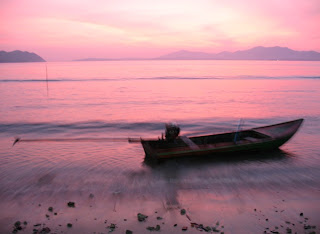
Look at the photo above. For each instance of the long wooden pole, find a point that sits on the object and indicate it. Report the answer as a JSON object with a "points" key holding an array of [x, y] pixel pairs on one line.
{"points": [[130, 140]]}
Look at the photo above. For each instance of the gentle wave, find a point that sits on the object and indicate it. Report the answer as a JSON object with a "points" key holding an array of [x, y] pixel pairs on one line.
{"points": [[84, 127], [122, 128], [156, 78]]}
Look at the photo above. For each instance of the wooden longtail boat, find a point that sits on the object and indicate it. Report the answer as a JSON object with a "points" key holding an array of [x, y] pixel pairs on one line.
{"points": [[251, 140]]}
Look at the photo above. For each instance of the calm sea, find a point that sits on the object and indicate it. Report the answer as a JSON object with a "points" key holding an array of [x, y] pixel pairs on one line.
{"points": [[136, 99]]}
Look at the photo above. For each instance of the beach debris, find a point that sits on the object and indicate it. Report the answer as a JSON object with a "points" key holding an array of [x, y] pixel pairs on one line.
{"points": [[159, 218], [112, 227], [289, 230], [17, 224], [69, 225], [16, 227], [214, 229], [301, 214], [71, 204], [185, 228], [141, 217], [188, 217], [200, 227], [91, 195], [45, 230], [150, 228], [182, 211], [37, 225], [129, 232], [175, 225], [309, 227], [55, 213], [50, 209]]}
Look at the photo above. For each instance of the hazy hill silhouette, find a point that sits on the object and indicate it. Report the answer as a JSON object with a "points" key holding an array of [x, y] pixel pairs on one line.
{"points": [[256, 53], [18, 56]]}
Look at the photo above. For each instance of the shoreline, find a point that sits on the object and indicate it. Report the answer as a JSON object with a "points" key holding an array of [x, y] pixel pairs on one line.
{"points": [[246, 212]]}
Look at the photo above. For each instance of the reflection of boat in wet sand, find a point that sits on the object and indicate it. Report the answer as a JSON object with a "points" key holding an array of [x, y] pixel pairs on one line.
{"points": [[251, 140]]}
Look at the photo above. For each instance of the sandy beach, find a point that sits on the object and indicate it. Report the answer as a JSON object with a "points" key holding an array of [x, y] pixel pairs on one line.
{"points": [[209, 207]]}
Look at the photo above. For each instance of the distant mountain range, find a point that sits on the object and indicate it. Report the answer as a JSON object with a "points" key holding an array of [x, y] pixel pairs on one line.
{"points": [[256, 53], [18, 56]]}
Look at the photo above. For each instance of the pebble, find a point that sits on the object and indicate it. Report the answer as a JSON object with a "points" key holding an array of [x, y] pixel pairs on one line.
{"points": [[71, 204], [141, 217]]}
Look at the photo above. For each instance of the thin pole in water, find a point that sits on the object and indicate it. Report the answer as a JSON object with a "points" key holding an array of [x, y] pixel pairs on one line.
{"points": [[47, 80]]}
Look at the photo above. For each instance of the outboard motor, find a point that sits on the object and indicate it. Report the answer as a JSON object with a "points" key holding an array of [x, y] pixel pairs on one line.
{"points": [[172, 131]]}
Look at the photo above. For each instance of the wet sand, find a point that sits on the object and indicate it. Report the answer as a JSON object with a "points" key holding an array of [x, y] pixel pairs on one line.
{"points": [[225, 209]]}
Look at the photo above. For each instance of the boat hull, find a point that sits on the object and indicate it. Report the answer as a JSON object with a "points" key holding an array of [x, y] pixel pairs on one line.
{"points": [[257, 139]]}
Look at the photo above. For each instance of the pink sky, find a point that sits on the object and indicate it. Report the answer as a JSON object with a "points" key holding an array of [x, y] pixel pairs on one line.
{"points": [[73, 29]]}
